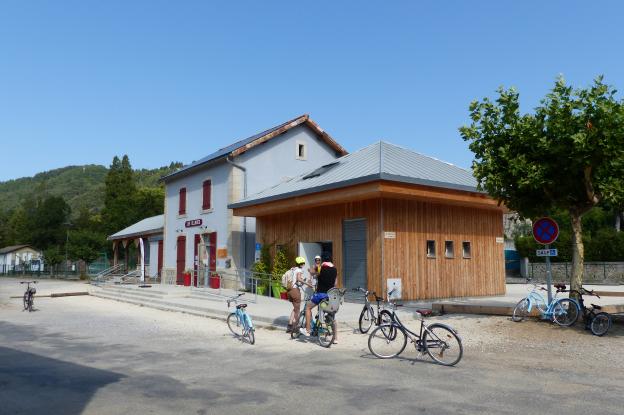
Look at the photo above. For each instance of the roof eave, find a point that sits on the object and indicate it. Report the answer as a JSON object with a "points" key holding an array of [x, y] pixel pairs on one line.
{"points": [[135, 234]]}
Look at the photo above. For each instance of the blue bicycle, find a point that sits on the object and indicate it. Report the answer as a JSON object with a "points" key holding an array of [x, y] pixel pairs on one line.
{"points": [[563, 311], [239, 321]]}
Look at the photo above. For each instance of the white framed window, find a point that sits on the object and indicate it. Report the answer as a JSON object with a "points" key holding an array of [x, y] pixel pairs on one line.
{"points": [[301, 150], [466, 251], [449, 249], [431, 249]]}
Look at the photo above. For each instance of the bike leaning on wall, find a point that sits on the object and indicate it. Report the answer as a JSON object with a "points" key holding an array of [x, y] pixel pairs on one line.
{"points": [[563, 311]]}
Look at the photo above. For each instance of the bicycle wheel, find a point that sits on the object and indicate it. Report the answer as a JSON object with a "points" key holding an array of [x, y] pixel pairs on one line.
{"points": [[443, 344], [236, 327], [386, 319], [30, 303], [25, 301], [600, 324], [565, 312], [326, 331], [367, 317], [251, 336], [384, 346], [295, 333], [521, 311]]}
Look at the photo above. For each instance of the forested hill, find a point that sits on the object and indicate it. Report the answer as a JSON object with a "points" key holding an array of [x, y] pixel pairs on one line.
{"points": [[80, 186]]}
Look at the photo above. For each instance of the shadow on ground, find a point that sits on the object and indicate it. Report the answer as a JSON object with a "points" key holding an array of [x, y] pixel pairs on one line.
{"points": [[31, 383]]}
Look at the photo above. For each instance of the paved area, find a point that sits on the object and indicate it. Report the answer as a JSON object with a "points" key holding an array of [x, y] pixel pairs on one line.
{"points": [[86, 355]]}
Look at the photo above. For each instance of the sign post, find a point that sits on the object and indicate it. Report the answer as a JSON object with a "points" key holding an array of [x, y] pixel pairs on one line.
{"points": [[546, 231]]}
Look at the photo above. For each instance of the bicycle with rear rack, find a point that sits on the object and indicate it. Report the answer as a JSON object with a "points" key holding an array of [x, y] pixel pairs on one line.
{"points": [[596, 321], [323, 325], [29, 295], [368, 316], [440, 341], [563, 311], [239, 321]]}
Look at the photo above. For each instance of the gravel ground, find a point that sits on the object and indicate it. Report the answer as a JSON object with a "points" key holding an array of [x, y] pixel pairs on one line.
{"points": [[91, 355]]}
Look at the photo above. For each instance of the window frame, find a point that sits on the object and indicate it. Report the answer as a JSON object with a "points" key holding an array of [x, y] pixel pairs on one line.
{"points": [[205, 209], [447, 244], [298, 145], [182, 201], [464, 256], [428, 251]]}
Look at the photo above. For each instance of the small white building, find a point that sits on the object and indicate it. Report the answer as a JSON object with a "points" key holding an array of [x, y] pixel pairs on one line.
{"points": [[197, 195], [16, 257]]}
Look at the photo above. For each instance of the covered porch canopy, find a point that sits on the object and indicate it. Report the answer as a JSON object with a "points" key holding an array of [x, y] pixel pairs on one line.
{"points": [[151, 227]]}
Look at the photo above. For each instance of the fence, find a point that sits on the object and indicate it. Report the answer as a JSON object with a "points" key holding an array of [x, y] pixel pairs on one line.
{"points": [[595, 272], [40, 271]]}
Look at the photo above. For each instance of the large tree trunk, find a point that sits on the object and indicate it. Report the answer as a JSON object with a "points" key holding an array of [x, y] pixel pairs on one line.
{"points": [[578, 253]]}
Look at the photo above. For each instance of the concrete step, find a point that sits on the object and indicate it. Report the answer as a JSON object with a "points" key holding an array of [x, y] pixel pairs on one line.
{"points": [[146, 292], [183, 308]]}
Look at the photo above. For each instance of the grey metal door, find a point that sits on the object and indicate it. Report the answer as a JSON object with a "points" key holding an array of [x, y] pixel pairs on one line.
{"points": [[354, 253]]}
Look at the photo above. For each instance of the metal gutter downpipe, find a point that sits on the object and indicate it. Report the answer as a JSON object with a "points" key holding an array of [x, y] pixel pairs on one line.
{"points": [[244, 170]]}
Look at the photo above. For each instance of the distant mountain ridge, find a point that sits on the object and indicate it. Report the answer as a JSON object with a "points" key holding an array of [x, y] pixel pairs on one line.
{"points": [[80, 186]]}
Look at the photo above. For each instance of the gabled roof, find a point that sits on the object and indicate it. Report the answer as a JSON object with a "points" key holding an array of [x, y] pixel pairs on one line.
{"points": [[12, 248], [147, 226], [241, 146], [379, 161]]}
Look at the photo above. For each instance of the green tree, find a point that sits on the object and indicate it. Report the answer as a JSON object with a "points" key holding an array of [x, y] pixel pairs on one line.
{"points": [[48, 224], [119, 196], [149, 201], [85, 245], [567, 155]]}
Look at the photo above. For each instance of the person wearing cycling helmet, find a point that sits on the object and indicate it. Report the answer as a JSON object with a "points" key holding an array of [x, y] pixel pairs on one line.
{"points": [[326, 280], [294, 292]]}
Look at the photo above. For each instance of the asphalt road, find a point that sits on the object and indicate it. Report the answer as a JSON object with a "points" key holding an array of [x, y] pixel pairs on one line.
{"points": [[88, 355]]}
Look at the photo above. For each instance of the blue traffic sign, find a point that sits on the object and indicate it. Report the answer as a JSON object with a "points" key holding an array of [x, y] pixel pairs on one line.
{"points": [[545, 231]]}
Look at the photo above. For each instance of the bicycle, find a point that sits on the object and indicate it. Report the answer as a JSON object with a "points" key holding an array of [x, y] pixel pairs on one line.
{"points": [[239, 321], [440, 341], [563, 311], [323, 326], [29, 295], [368, 315], [599, 322]]}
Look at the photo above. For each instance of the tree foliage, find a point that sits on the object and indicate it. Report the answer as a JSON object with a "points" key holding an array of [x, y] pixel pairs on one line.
{"points": [[568, 155]]}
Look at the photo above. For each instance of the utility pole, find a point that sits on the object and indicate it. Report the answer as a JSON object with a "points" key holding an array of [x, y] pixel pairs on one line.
{"points": [[67, 224]]}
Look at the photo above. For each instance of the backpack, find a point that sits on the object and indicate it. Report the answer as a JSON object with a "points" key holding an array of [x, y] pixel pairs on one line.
{"points": [[287, 279]]}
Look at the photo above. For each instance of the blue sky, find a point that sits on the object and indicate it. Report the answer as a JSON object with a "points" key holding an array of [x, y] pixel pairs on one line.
{"points": [[162, 81]]}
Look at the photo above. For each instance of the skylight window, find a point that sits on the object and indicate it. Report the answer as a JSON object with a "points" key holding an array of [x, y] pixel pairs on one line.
{"points": [[321, 170]]}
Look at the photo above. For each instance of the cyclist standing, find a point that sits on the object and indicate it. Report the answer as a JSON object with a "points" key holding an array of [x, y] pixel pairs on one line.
{"points": [[326, 281], [294, 291]]}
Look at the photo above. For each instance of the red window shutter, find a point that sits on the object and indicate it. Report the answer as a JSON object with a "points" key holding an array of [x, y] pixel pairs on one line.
{"points": [[182, 204], [207, 194]]}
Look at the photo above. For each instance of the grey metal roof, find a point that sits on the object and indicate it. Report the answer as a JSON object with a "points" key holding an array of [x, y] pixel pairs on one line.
{"points": [[8, 249], [379, 161], [154, 224]]}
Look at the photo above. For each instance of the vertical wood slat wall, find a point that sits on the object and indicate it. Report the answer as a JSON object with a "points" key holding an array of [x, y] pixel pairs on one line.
{"points": [[414, 222]]}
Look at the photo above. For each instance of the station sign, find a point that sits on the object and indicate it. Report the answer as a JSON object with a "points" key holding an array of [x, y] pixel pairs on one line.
{"points": [[546, 252], [193, 222]]}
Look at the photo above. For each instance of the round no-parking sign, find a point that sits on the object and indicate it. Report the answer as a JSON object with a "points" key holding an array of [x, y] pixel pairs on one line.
{"points": [[545, 231]]}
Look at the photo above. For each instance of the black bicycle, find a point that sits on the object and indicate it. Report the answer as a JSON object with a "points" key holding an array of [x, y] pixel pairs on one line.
{"points": [[598, 322], [368, 316], [440, 341], [29, 295]]}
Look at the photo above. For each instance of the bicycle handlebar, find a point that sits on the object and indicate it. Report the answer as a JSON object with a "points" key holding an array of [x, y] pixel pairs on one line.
{"points": [[28, 282], [233, 299]]}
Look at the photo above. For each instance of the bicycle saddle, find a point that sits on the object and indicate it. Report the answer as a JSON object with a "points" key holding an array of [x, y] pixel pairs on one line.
{"points": [[424, 312], [378, 298], [241, 305], [597, 307], [560, 286]]}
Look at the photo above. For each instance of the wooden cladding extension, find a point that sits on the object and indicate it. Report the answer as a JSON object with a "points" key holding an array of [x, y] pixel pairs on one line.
{"points": [[413, 222], [372, 190]]}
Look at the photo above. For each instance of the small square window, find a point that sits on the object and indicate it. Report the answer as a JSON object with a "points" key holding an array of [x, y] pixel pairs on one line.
{"points": [[431, 250], [466, 253], [301, 152], [449, 250]]}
